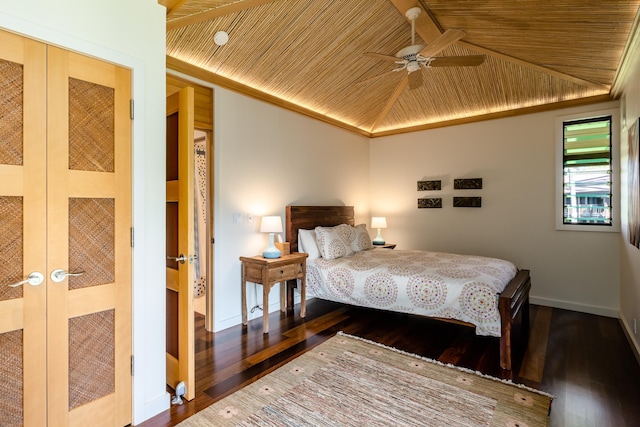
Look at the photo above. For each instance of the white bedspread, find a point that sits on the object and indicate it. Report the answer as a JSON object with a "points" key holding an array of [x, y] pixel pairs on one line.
{"points": [[433, 284]]}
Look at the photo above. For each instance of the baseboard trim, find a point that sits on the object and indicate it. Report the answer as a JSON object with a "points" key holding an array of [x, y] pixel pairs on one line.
{"points": [[152, 408], [583, 308], [237, 320], [628, 332]]}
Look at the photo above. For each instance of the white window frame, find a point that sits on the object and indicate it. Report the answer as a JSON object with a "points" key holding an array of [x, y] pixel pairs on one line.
{"points": [[615, 171]]}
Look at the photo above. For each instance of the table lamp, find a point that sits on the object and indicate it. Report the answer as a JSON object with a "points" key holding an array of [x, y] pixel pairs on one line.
{"points": [[379, 222], [271, 225]]}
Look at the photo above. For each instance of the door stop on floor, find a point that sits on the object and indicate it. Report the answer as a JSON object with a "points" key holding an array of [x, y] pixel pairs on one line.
{"points": [[181, 389]]}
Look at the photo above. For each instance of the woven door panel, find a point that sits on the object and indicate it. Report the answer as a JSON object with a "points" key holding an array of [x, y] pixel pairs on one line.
{"points": [[91, 357], [11, 392], [91, 241], [10, 247], [91, 126], [172, 234], [11, 100], [172, 147]]}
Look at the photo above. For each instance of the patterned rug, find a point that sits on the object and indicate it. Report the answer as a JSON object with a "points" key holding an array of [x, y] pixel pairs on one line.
{"points": [[348, 381]]}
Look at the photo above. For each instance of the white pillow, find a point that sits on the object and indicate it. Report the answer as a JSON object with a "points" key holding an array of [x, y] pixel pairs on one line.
{"points": [[360, 239], [334, 242], [307, 243]]}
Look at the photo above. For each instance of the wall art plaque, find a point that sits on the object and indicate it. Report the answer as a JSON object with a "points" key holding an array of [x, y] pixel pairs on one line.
{"points": [[467, 184], [467, 202], [426, 203], [429, 185]]}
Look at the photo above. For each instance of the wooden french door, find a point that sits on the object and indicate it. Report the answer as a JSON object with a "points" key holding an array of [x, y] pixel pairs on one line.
{"points": [[180, 240], [23, 229], [65, 219]]}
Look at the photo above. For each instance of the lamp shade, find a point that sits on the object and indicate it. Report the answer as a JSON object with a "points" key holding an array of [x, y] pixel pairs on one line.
{"points": [[378, 222], [271, 224]]}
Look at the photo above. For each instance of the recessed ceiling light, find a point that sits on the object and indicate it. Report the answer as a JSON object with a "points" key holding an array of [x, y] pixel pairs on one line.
{"points": [[221, 38]]}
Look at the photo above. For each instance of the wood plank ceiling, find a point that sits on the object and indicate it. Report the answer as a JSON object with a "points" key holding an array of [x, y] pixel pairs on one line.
{"points": [[308, 55]]}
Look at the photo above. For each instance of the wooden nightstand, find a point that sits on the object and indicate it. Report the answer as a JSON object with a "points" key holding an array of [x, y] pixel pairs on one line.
{"points": [[386, 246], [267, 272]]}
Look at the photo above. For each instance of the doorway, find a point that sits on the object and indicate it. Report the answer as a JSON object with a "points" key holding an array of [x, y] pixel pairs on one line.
{"points": [[203, 136], [189, 227]]}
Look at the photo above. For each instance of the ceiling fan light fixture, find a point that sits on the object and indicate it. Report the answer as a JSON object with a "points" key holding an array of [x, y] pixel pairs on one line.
{"points": [[413, 66]]}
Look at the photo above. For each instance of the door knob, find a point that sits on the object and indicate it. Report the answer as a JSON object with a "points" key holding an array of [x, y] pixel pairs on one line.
{"points": [[59, 274], [181, 259], [33, 279]]}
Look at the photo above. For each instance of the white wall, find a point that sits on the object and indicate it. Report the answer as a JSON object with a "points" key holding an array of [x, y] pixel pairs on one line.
{"points": [[267, 158], [515, 157], [132, 34], [629, 255]]}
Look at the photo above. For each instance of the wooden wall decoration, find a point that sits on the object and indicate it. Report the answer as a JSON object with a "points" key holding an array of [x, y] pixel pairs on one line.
{"points": [[467, 202], [467, 184], [429, 185], [427, 202]]}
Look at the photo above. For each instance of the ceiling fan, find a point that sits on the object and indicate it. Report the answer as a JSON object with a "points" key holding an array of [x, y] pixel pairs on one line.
{"points": [[417, 57]]}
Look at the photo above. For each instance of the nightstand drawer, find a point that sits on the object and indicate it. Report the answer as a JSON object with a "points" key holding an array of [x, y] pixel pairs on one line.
{"points": [[253, 274], [286, 272]]}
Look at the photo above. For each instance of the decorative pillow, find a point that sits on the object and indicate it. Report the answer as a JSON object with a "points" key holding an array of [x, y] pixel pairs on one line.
{"points": [[307, 243], [360, 239], [334, 242]]}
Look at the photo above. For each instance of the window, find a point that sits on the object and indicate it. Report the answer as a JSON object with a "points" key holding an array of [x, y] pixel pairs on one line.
{"points": [[587, 167], [587, 171]]}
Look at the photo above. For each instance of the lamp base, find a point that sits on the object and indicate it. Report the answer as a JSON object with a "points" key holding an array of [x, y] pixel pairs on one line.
{"points": [[271, 251], [378, 240]]}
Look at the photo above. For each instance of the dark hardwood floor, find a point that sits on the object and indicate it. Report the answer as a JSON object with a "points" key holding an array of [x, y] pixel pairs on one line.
{"points": [[584, 360]]}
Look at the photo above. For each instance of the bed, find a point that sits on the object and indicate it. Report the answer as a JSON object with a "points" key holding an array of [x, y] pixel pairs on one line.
{"points": [[509, 319]]}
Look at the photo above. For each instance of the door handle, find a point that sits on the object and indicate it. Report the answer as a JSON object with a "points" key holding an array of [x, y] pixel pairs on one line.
{"points": [[59, 274], [33, 279], [181, 259]]}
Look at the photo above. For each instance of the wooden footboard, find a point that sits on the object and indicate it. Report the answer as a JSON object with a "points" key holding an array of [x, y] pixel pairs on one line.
{"points": [[513, 304]]}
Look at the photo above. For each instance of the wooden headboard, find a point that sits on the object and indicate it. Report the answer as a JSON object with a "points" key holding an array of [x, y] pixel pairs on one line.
{"points": [[309, 217]]}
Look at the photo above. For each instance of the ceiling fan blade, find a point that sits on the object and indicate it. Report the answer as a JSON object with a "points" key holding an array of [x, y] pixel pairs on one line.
{"points": [[382, 56], [445, 39], [457, 61], [367, 80], [415, 80], [391, 101]]}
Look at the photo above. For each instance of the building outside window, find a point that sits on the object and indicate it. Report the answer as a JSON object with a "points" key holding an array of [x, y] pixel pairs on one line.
{"points": [[587, 171]]}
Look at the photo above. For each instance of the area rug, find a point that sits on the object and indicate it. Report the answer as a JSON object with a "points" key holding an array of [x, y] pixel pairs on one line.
{"points": [[349, 381]]}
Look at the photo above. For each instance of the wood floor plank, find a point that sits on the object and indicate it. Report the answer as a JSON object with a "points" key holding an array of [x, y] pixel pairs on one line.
{"points": [[533, 361]]}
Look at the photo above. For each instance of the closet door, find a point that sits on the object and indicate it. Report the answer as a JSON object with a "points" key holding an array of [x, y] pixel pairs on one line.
{"points": [[65, 218], [89, 245], [23, 253]]}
